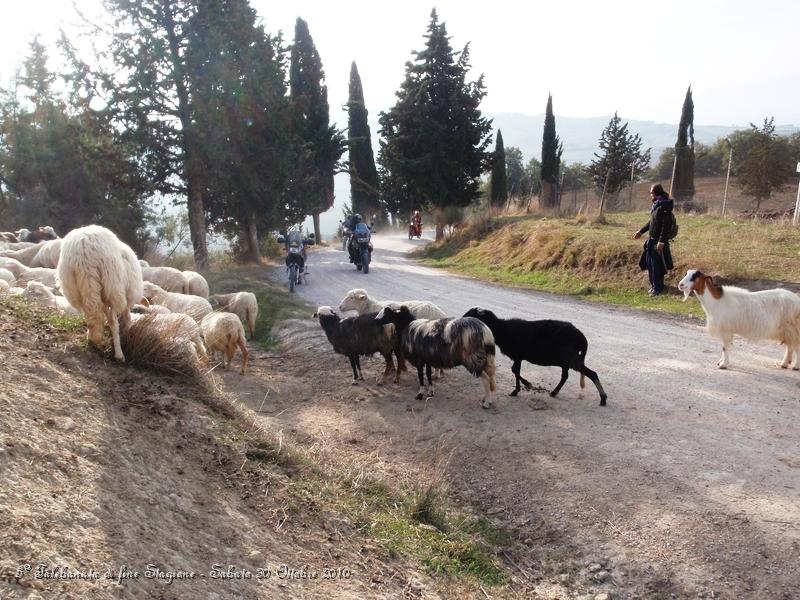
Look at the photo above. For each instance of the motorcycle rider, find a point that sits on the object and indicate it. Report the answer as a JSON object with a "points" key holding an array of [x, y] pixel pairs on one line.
{"points": [[416, 221], [294, 237], [351, 223]]}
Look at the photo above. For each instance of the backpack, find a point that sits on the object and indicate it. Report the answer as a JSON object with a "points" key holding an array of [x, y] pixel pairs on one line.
{"points": [[670, 225]]}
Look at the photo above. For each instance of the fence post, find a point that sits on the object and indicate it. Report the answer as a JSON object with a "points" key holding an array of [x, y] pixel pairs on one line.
{"points": [[672, 179], [797, 202], [630, 193], [727, 179], [603, 197]]}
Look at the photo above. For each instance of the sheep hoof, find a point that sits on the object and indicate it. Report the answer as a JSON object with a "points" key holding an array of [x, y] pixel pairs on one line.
{"points": [[783, 365], [120, 358], [486, 405], [355, 382], [553, 394], [419, 396], [514, 393], [603, 400], [528, 387]]}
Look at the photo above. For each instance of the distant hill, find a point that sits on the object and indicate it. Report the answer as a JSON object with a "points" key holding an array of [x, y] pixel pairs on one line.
{"points": [[580, 135]]}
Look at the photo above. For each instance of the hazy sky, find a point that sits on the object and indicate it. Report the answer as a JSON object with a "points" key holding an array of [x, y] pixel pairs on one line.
{"points": [[595, 57]]}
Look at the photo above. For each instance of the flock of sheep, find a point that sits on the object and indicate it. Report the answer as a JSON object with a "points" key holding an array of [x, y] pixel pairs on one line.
{"points": [[420, 332], [90, 271]]}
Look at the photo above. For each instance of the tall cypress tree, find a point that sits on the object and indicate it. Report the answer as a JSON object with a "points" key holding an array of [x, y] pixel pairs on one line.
{"points": [[551, 157], [321, 144], [683, 185], [364, 193], [499, 185], [435, 140]]}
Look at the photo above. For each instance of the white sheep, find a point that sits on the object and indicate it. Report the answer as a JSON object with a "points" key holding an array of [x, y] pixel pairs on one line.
{"points": [[359, 301], [177, 325], [242, 304], [25, 255], [144, 264], [765, 315], [41, 294], [196, 284], [48, 255], [167, 278], [194, 306], [7, 276], [4, 286], [223, 332], [13, 265], [101, 277], [41, 274]]}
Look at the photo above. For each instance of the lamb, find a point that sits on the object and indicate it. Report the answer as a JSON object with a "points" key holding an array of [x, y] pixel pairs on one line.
{"points": [[41, 294], [100, 276], [444, 343], [167, 278], [765, 315], [7, 276], [223, 332], [547, 343], [48, 254], [242, 304], [177, 325], [355, 337], [196, 284], [194, 306]]}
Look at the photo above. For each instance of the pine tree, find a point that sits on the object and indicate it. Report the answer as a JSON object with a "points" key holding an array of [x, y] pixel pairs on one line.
{"points": [[364, 187], [768, 166], [683, 184], [499, 187], [619, 150], [551, 157], [435, 140], [238, 87], [321, 144]]}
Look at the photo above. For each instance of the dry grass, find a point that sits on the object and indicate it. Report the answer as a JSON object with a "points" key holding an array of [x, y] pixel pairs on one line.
{"points": [[161, 347]]}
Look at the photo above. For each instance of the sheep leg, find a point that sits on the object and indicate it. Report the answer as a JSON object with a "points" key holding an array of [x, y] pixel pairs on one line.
{"points": [[245, 353], [358, 366], [515, 368], [796, 366], [430, 382], [421, 382], [727, 342], [353, 366], [584, 370], [488, 390], [113, 324], [389, 368], [787, 357], [564, 375]]}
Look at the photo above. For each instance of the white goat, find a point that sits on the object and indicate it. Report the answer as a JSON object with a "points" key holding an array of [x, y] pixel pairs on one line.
{"points": [[194, 306], [223, 332], [243, 304], [196, 284], [41, 294], [167, 278], [765, 315], [101, 277]]}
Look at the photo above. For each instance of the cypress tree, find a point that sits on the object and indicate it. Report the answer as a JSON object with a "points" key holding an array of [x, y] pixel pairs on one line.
{"points": [[364, 194], [435, 140], [321, 145], [499, 182], [683, 185], [551, 157]]}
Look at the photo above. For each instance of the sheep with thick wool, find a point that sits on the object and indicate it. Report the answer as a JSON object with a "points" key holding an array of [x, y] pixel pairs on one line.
{"points": [[40, 274], [194, 306], [100, 276], [41, 294], [177, 325], [196, 284], [544, 342], [48, 255], [355, 337], [243, 304], [444, 344], [223, 332], [12, 265], [730, 311], [167, 278], [24, 255]]}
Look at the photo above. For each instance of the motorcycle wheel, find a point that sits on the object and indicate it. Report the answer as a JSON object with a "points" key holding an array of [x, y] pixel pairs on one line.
{"points": [[410, 234], [365, 260], [292, 277]]}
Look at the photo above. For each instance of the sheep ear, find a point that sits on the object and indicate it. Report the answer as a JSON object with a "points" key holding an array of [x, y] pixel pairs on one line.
{"points": [[144, 301], [361, 296]]}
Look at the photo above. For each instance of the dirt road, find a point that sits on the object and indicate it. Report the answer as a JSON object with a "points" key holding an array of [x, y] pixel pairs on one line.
{"points": [[686, 484]]}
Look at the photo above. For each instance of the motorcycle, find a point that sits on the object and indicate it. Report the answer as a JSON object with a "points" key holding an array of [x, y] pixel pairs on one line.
{"points": [[414, 229], [361, 247], [295, 258]]}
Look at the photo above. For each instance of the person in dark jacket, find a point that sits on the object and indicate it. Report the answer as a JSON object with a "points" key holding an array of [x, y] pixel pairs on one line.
{"points": [[656, 255]]}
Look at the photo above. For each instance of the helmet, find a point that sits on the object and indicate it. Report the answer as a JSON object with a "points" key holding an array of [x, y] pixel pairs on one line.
{"points": [[356, 217], [416, 213]]}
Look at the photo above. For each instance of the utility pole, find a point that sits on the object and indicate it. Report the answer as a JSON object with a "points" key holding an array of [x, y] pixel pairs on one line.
{"points": [[727, 179]]}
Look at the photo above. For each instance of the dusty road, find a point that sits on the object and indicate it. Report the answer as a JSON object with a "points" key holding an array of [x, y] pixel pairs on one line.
{"points": [[686, 484]]}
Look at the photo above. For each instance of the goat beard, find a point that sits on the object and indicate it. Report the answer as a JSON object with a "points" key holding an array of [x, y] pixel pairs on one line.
{"points": [[686, 294]]}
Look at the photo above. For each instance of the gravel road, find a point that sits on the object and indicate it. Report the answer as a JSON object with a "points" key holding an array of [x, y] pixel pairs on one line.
{"points": [[688, 482]]}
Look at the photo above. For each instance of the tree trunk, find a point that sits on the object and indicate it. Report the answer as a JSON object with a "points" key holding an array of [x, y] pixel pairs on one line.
{"points": [[197, 224], [317, 236], [439, 231], [251, 253], [547, 195]]}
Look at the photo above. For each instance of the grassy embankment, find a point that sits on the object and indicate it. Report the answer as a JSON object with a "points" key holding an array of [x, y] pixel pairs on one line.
{"points": [[599, 261]]}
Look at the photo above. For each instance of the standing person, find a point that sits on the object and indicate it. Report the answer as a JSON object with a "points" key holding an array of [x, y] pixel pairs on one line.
{"points": [[656, 256]]}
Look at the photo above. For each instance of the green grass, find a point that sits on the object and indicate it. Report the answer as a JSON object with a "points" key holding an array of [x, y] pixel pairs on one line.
{"points": [[599, 261], [35, 315]]}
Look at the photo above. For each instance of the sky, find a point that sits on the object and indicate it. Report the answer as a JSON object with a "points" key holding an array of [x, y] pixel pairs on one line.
{"points": [[633, 57]]}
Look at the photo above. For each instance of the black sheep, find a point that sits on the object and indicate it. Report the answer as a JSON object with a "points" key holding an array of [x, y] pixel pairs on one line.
{"points": [[547, 343], [444, 344], [355, 337]]}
